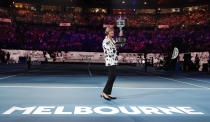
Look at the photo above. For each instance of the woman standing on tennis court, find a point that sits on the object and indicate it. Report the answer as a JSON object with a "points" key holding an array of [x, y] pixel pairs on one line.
{"points": [[111, 61]]}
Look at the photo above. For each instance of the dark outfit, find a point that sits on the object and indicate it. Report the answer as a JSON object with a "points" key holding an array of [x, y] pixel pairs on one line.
{"points": [[111, 79], [29, 63], [8, 57]]}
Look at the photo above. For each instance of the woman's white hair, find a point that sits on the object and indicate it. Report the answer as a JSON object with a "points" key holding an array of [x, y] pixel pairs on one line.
{"points": [[108, 29]]}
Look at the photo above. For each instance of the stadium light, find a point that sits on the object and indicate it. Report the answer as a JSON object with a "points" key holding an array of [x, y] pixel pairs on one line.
{"points": [[123, 1]]}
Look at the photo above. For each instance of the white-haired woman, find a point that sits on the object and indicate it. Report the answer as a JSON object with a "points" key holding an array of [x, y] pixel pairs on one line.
{"points": [[111, 61]]}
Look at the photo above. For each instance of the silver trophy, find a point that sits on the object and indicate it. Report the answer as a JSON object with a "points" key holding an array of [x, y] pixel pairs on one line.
{"points": [[120, 39]]}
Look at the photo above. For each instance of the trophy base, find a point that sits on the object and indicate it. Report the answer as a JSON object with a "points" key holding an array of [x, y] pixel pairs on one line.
{"points": [[121, 40], [120, 43]]}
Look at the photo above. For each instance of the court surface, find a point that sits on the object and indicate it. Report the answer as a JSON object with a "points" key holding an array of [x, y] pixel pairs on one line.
{"points": [[71, 85]]}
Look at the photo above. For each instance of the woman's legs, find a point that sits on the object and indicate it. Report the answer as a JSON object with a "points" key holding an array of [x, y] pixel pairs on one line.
{"points": [[111, 78]]}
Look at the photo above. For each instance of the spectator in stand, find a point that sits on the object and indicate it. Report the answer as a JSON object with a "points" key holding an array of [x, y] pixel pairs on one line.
{"points": [[197, 61], [2, 56], [209, 62], [86, 31], [8, 57]]}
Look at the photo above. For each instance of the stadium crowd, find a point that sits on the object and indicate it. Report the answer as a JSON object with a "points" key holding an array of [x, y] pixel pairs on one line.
{"points": [[131, 20], [39, 37], [40, 31]]}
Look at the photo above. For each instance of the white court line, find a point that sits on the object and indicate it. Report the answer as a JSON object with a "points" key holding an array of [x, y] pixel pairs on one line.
{"points": [[188, 76], [181, 82], [11, 76], [196, 79], [7, 77], [65, 87], [184, 82]]}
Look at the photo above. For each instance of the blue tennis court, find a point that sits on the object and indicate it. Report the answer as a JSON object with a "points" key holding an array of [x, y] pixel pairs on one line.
{"points": [[71, 92]]}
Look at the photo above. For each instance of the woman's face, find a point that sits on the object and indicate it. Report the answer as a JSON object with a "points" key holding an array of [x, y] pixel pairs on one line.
{"points": [[111, 33]]}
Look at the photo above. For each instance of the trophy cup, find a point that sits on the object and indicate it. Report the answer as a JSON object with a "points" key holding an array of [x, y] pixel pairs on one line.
{"points": [[120, 40]]}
